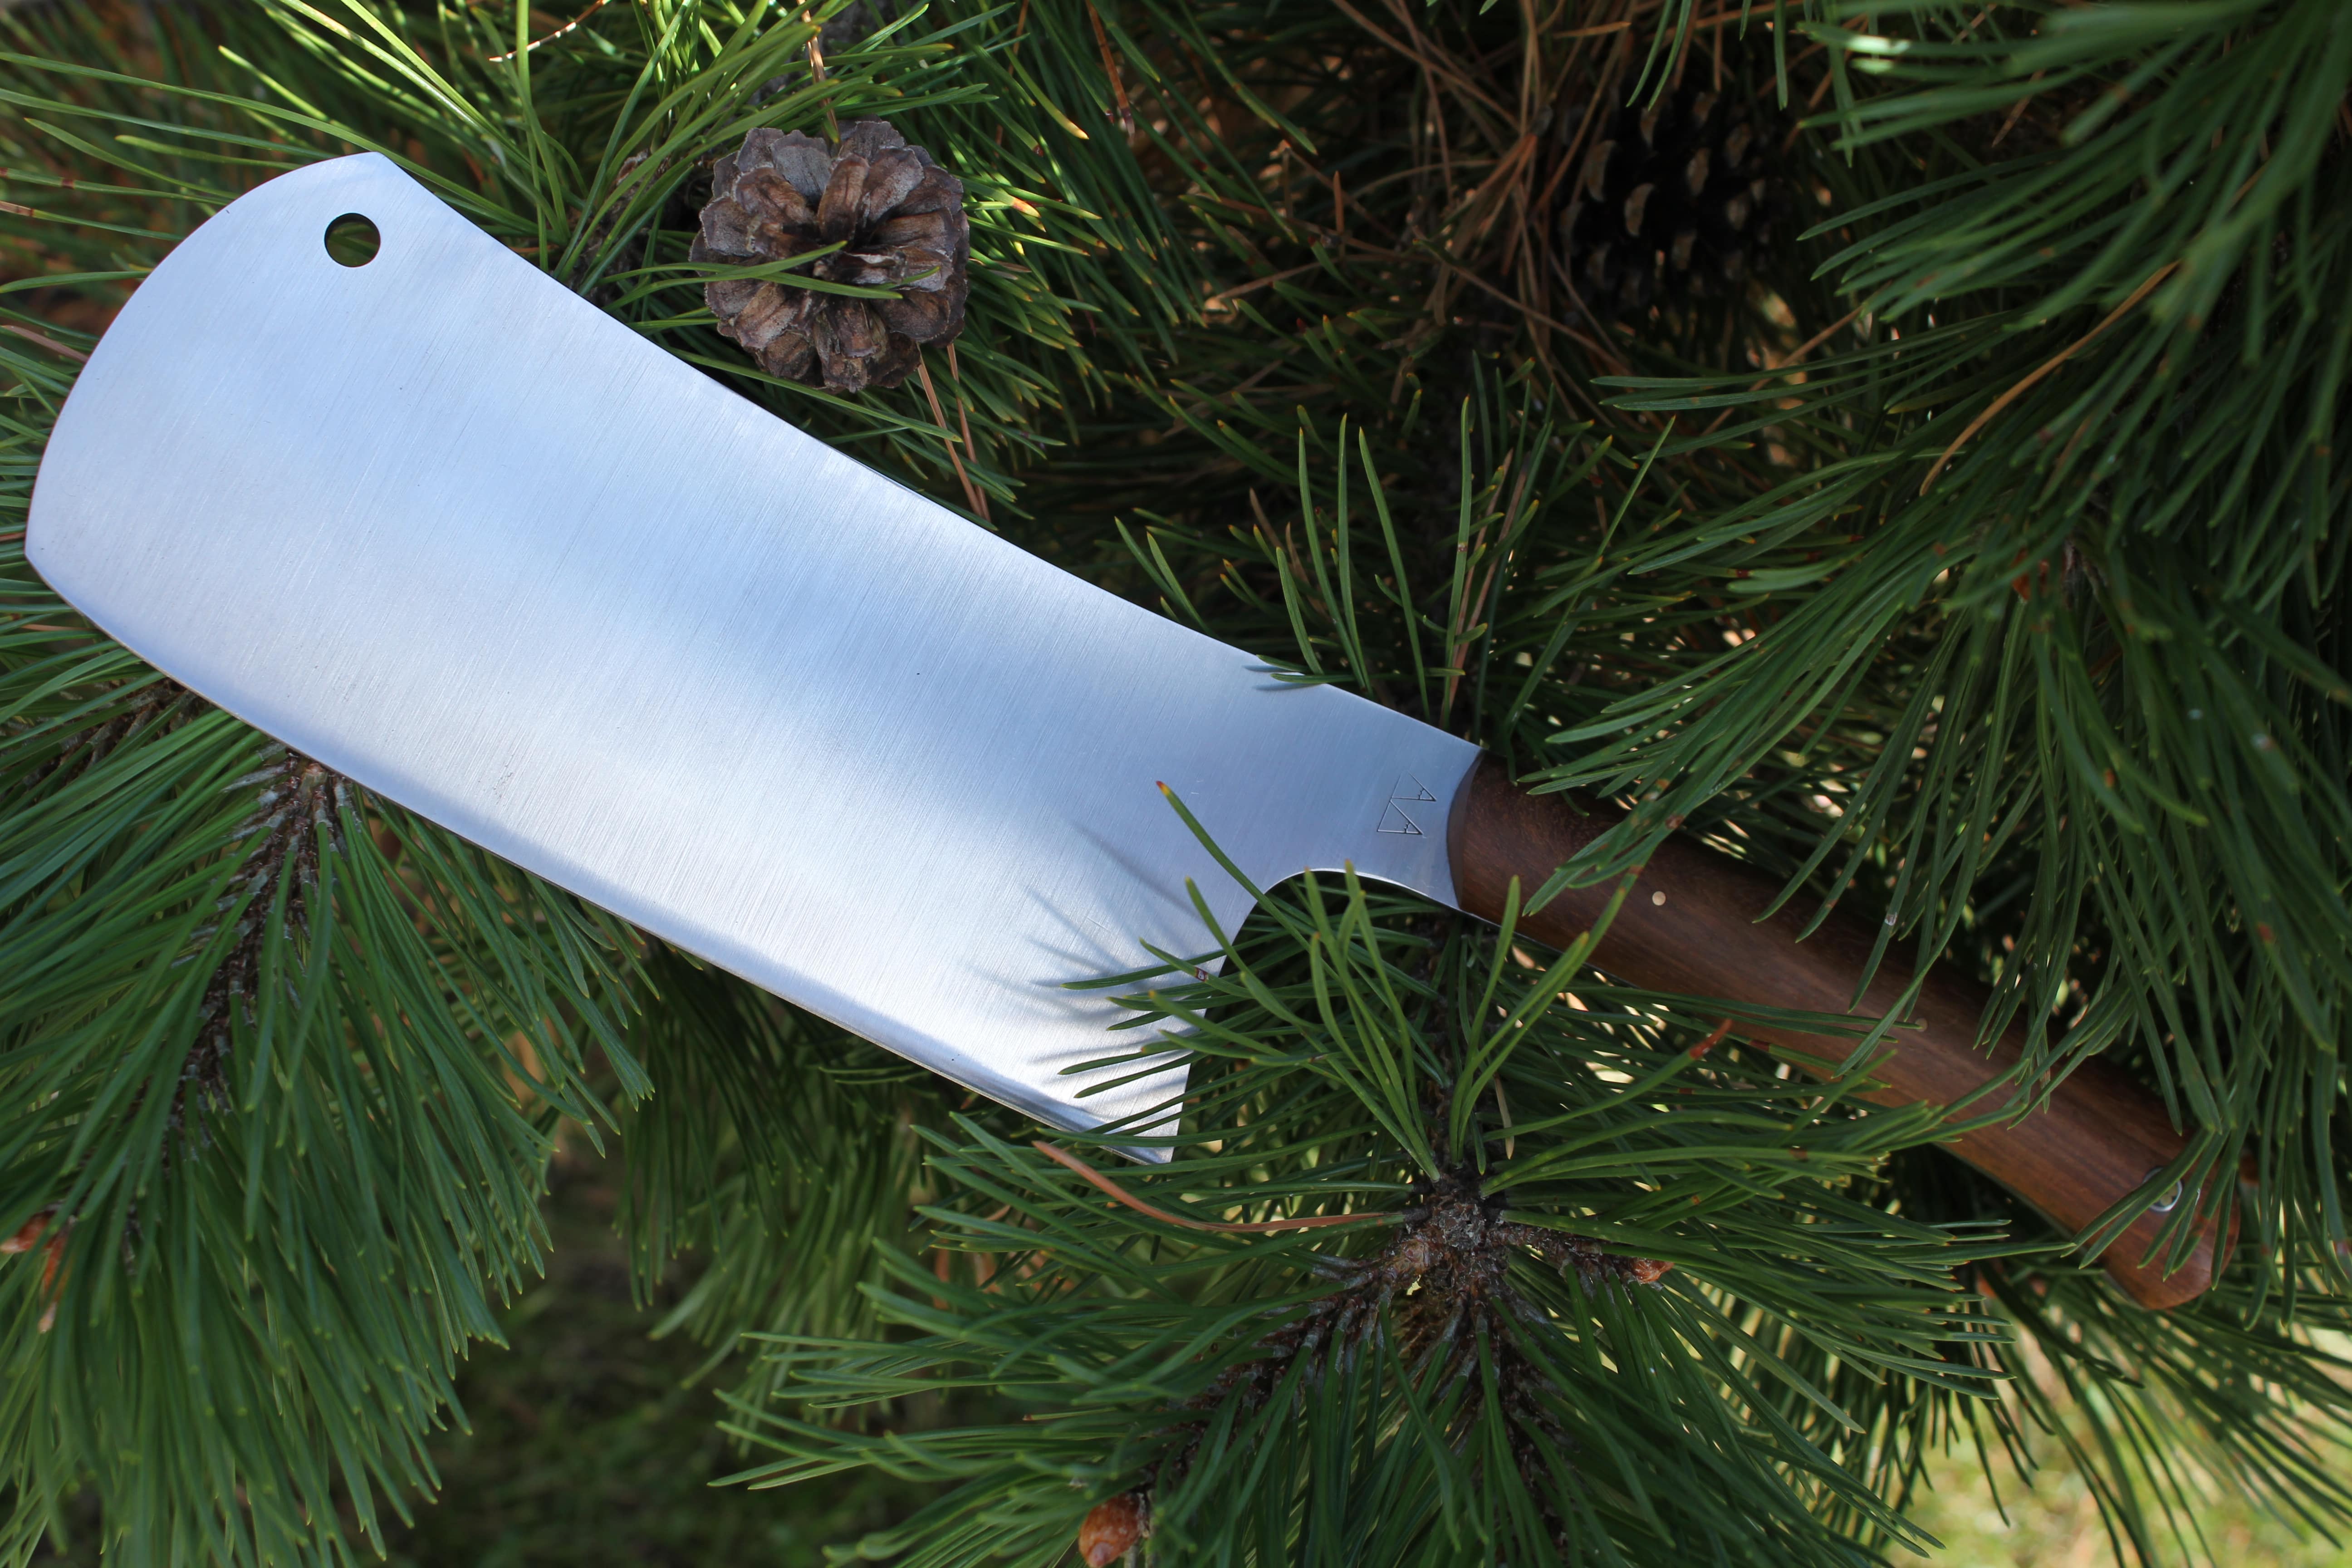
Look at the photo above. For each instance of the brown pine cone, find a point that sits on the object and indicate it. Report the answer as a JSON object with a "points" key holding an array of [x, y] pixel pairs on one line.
{"points": [[1112, 1529], [900, 219], [1674, 199]]}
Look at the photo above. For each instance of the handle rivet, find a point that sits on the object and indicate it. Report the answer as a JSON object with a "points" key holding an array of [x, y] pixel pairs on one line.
{"points": [[1657, 898], [2169, 1200]]}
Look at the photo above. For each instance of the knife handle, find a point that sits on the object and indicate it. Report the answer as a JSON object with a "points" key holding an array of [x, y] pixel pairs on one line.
{"points": [[1690, 926]]}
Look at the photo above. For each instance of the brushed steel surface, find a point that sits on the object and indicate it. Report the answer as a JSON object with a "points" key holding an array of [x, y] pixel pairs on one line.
{"points": [[442, 525]]}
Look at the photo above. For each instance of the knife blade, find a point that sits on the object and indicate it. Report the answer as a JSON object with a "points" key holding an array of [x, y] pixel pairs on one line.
{"points": [[447, 528]]}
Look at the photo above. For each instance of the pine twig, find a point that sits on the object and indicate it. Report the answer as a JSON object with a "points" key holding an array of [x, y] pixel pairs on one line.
{"points": [[1808, 346], [1260, 1227], [49, 343], [1124, 114], [594, 6], [938, 417], [2060, 357]]}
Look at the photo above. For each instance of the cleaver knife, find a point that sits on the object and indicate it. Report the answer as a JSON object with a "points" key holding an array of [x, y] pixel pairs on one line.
{"points": [[441, 524]]}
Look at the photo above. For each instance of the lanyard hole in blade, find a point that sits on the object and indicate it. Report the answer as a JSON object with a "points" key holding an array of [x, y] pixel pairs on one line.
{"points": [[353, 239]]}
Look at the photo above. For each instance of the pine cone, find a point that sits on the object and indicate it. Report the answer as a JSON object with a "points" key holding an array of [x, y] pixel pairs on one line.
{"points": [[1672, 201], [1111, 1528], [900, 219]]}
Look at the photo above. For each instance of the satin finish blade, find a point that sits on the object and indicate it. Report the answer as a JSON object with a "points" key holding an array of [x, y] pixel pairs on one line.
{"points": [[442, 525]]}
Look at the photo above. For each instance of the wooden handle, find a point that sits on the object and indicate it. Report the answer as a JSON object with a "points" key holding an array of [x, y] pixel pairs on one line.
{"points": [[1690, 926]]}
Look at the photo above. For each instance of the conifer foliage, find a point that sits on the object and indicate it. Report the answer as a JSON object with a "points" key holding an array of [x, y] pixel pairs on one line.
{"points": [[1910, 468]]}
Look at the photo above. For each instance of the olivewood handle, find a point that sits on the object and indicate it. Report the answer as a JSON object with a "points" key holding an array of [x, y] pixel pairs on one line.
{"points": [[1690, 926]]}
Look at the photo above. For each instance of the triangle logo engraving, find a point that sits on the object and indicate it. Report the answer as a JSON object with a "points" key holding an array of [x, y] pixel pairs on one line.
{"points": [[1406, 789]]}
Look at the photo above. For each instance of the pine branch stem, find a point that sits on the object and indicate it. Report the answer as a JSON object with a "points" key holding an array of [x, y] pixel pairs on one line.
{"points": [[1259, 1227], [2060, 357]]}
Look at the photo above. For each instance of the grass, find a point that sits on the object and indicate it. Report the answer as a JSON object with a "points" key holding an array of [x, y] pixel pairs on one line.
{"points": [[2055, 1523]]}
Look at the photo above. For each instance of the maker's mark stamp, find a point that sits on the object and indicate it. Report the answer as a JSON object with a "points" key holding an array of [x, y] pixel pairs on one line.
{"points": [[1405, 812]]}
